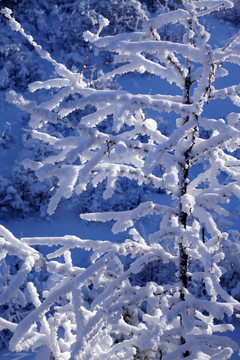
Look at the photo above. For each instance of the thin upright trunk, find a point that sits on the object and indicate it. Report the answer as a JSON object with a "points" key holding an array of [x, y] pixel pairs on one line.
{"points": [[183, 182], [183, 256], [183, 261]]}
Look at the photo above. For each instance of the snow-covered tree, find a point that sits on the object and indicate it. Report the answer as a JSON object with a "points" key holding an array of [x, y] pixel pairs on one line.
{"points": [[57, 26], [104, 311]]}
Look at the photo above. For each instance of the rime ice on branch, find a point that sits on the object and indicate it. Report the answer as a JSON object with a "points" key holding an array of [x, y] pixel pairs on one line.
{"points": [[108, 315]]}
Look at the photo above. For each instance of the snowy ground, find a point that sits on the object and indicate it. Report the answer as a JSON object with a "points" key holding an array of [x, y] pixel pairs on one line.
{"points": [[7, 355]]}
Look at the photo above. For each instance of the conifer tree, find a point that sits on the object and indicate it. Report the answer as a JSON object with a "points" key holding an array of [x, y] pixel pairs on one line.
{"points": [[103, 311]]}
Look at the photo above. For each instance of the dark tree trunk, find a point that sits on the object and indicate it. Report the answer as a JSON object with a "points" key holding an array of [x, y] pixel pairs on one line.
{"points": [[184, 168], [183, 256]]}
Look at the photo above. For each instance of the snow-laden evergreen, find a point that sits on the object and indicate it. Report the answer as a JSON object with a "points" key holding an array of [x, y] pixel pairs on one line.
{"points": [[103, 311]]}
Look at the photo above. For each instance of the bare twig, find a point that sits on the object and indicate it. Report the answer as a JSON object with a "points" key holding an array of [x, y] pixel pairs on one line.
{"points": [[84, 63], [93, 67], [209, 87], [231, 42]]}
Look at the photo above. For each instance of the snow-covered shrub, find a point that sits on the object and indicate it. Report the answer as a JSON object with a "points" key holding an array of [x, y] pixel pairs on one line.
{"points": [[231, 15], [58, 26], [64, 320], [17, 307], [105, 311], [17, 64], [21, 193], [231, 278], [153, 5], [25, 196]]}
